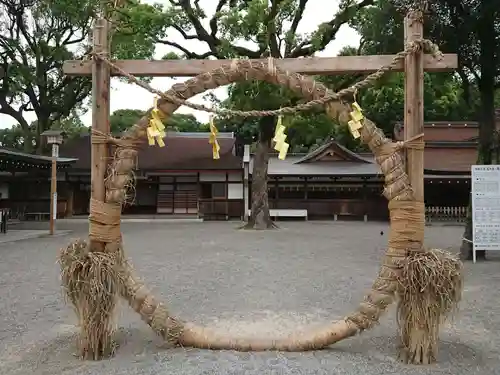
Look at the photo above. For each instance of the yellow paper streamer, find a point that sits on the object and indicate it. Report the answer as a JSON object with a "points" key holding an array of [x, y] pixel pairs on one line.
{"points": [[355, 122], [213, 139], [279, 139], [156, 129]]}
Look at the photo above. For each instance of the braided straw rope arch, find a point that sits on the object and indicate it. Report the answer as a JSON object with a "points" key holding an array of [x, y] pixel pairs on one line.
{"points": [[405, 238]]}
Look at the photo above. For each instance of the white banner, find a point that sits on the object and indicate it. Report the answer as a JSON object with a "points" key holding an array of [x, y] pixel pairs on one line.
{"points": [[54, 206]]}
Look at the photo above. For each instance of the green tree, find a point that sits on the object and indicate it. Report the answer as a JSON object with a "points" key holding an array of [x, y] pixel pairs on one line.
{"points": [[72, 126], [304, 129], [122, 119], [272, 27], [37, 36], [181, 122], [383, 102], [15, 137]]}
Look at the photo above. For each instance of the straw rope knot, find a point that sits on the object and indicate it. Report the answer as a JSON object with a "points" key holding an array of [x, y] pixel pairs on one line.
{"points": [[416, 143], [99, 137]]}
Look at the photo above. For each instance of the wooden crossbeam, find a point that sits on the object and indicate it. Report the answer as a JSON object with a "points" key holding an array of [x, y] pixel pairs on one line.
{"points": [[308, 65]]}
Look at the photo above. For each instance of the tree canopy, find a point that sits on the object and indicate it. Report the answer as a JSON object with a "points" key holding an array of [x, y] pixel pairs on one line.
{"points": [[469, 28], [35, 39], [271, 26], [122, 119]]}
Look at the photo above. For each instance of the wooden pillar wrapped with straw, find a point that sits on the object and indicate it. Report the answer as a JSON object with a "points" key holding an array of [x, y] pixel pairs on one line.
{"points": [[90, 270], [427, 283]]}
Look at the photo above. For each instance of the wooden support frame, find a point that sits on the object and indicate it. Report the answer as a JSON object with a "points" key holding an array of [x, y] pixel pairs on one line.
{"points": [[403, 190], [414, 106], [100, 113], [306, 66], [414, 65]]}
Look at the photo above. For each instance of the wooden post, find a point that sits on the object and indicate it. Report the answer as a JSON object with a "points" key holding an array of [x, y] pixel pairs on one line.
{"points": [[414, 109], [53, 188], [364, 192], [100, 109], [70, 199], [246, 176]]}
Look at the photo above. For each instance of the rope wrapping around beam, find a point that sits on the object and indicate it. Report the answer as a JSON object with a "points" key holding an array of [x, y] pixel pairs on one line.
{"points": [[98, 137], [104, 221]]}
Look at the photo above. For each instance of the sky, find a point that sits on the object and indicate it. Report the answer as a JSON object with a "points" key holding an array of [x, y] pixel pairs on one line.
{"points": [[129, 96]]}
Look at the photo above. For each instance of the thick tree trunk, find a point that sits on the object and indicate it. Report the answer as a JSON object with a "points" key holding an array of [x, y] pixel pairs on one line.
{"points": [[28, 138], [42, 125], [259, 217]]}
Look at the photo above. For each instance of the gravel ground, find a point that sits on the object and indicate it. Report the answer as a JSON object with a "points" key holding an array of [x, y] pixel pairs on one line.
{"points": [[258, 283]]}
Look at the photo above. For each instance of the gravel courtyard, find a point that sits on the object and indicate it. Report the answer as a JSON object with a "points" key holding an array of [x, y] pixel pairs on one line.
{"points": [[247, 283]]}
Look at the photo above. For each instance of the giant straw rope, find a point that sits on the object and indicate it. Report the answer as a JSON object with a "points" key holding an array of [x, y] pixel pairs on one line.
{"points": [[420, 314]]}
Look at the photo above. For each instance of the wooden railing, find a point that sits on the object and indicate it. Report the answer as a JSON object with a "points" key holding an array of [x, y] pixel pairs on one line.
{"points": [[19, 208], [316, 208], [328, 209], [456, 214]]}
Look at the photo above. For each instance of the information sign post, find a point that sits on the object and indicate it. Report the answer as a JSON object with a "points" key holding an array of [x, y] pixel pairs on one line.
{"points": [[485, 192]]}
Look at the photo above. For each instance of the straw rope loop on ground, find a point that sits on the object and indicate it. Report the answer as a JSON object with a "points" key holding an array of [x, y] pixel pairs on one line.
{"points": [[405, 239], [398, 190]]}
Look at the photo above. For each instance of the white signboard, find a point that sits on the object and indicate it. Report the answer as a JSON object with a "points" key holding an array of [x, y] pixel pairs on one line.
{"points": [[485, 207]]}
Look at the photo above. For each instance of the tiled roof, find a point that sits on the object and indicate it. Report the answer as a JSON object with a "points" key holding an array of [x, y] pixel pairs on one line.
{"points": [[189, 153], [179, 153], [436, 159], [194, 153], [289, 166], [443, 131], [32, 158], [16, 161], [337, 148]]}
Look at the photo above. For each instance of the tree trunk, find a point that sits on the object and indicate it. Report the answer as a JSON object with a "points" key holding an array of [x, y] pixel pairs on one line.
{"points": [[41, 125], [487, 114], [28, 137], [259, 217]]}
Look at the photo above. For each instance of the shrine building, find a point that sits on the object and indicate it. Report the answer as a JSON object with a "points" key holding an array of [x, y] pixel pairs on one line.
{"points": [[330, 182]]}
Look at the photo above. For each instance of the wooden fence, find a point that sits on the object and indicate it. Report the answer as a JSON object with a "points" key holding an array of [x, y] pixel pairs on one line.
{"points": [[456, 214], [328, 209]]}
